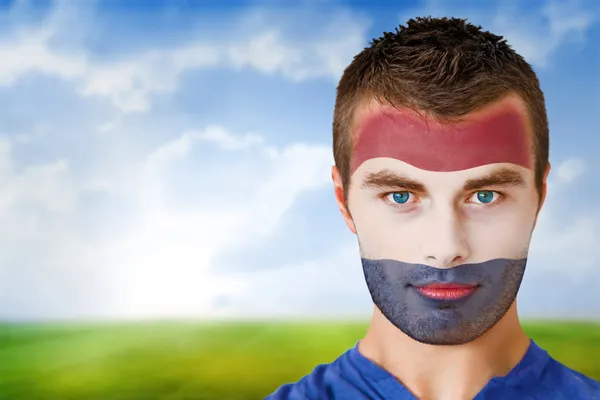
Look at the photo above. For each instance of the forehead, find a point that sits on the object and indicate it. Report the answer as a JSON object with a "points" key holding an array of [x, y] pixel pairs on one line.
{"points": [[497, 134]]}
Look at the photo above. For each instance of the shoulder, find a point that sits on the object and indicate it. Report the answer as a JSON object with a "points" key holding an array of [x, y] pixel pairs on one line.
{"points": [[573, 385], [339, 379], [309, 387]]}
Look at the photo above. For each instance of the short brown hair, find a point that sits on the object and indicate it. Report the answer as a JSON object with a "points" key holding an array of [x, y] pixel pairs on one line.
{"points": [[445, 67]]}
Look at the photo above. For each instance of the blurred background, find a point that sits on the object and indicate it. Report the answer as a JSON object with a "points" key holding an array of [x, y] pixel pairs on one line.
{"points": [[167, 221]]}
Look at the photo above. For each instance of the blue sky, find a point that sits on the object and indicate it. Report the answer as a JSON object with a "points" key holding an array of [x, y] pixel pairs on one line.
{"points": [[172, 158]]}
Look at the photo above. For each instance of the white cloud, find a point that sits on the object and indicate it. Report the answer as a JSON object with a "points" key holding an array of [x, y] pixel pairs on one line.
{"points": [[331, 286], [566, 237], [145, 256], [29, 52], [270, 53], [295, 169], [220, 136], [536, 39], [158, 263], [265, 53], [46, 186], [170, 250], [40, 253], [572, 243], [129, 83], [569, 170]]}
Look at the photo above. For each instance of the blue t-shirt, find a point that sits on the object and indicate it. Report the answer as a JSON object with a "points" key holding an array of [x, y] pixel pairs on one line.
{"points": [[354, 377]]}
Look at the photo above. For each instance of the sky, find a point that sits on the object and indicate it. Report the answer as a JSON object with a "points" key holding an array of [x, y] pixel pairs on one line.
{"points": [[172, 159]]}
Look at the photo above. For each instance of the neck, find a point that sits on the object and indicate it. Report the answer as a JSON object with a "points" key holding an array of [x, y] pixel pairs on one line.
{"points": [[446, 372]]}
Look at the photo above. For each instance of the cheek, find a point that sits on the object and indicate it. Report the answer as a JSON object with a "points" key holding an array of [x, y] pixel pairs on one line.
{"points": [[382, 231], [505, 233]]}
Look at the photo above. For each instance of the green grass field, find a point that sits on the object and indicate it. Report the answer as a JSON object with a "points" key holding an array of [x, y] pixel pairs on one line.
{"points": [[204, 361]]}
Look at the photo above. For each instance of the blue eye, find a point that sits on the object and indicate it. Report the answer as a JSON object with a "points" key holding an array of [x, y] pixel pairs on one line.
{"points": [[485, 196], [401, 197]]}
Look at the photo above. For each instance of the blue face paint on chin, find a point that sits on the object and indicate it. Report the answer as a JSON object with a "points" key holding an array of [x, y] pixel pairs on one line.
{"points": [[393, 287]]}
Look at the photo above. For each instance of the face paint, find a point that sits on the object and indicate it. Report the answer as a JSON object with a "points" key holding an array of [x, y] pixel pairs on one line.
{"points": [[443, 230], [491, 289], [498, 138]]}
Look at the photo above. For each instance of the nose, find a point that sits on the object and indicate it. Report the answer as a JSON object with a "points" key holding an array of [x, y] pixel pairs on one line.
{"points": [[445, 242]]}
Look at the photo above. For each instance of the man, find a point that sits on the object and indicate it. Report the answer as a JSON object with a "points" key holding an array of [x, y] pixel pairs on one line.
{"points": [[440, 140]]}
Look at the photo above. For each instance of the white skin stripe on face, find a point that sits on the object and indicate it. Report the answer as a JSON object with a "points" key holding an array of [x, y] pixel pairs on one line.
{"points": [[444, 224]]}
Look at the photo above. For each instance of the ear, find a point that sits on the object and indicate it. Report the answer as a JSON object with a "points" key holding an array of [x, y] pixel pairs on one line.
{"points": [[544, 188], [339, 198]]}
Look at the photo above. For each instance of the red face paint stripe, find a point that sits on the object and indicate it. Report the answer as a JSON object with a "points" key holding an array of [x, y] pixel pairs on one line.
{"points": [[498, 138]]}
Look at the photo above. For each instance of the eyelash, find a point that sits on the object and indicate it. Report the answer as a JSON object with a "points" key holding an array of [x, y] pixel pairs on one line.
{"points": [[500, 195]]}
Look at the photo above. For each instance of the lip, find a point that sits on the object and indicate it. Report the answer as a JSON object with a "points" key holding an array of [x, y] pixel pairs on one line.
{"points": [[446, 291]]}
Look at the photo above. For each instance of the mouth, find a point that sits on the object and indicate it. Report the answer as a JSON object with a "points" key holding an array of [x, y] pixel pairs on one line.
{"points": [[446, 291]]}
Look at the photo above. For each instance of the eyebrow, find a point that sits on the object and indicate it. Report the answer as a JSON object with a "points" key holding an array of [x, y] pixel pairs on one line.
{"points": [[503, 177], [387, 179]]}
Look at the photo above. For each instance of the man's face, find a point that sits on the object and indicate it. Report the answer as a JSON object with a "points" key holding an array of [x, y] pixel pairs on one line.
{"points": [[444, 216]]}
